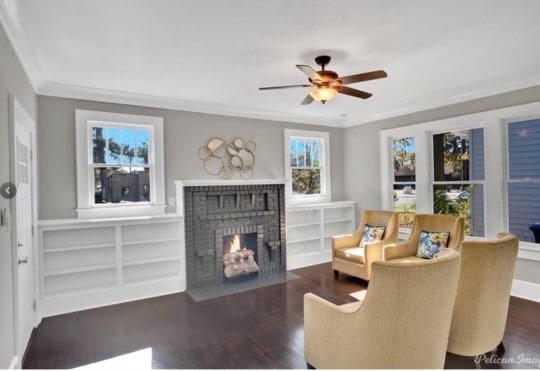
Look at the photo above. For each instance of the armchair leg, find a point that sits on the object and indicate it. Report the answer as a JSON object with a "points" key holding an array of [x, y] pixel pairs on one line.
{"points": [[500, 349], [336, 273], [310, 367]]}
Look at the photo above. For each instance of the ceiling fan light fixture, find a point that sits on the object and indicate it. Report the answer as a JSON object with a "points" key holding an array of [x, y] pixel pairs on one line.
{"points": [[323, 94]]}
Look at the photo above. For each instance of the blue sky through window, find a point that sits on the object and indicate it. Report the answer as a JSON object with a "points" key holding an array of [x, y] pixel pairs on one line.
{"points": [[120, 146], [304, 153]]}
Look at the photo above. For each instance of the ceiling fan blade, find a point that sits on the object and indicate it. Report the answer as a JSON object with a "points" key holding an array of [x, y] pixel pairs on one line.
{"points": [[285, 87], [309, 72], [363, 77], [354, 93], [307, 100]]}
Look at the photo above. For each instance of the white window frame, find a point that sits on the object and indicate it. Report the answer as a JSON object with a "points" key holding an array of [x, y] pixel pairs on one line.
{"points": [[424, 163], [505, 123], [84, 122], [324, 166], [495, 165], [402, 230]]}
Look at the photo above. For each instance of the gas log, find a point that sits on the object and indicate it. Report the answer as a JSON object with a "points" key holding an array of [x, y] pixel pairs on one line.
{"points": [[240, 262]]}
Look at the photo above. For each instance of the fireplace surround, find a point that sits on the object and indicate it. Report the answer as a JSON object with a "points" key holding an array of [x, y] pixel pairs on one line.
{"points": [[214, 214]]}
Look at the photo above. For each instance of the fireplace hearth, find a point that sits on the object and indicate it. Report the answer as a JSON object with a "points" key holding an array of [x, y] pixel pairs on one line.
{"points": [[234, 234]]}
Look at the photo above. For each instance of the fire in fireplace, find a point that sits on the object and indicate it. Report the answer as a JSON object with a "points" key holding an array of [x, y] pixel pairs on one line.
{"points": [[240, 255]]}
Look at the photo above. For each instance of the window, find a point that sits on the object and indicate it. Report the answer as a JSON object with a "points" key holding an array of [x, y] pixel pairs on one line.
{"points": [[307, 166], [119, 164], [434, 168], [404, 179], [458, 177], [523, 177]]}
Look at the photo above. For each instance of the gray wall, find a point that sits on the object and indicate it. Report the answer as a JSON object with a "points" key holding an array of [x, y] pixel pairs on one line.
{"points": [[362, 180], [185, 133], [13, 81]]}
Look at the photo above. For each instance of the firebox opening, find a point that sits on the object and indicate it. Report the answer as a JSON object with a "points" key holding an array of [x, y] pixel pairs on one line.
{"points": [[240, 256]]}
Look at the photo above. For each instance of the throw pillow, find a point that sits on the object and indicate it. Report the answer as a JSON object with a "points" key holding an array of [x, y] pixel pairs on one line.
{"points": [[430, 243], [372, 233]]}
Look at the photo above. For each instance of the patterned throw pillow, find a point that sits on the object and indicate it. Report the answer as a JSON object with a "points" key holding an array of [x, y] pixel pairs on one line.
{"points": [[430, 243], [372, 233]]}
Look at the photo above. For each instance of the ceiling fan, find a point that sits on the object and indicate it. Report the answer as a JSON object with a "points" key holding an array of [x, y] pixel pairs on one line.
{"points": [[328, 84]]}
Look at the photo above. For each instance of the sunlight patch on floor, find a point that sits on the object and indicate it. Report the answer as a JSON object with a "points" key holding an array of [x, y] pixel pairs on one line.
{"points": [[138, 360], [360, 295]]}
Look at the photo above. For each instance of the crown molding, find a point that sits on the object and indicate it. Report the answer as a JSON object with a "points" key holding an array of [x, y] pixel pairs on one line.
{"points": [[12, 20], [439, 103], [122, 97]]}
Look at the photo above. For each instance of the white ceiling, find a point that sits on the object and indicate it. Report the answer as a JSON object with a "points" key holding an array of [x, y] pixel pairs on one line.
{"points": [[212, 55]]}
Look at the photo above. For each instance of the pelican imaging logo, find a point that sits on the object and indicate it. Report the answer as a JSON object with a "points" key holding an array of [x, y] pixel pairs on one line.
{"points": [[493, 359]]}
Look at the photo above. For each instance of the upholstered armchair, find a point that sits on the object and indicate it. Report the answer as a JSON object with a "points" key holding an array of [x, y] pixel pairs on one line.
{"points": [[429, 223], [485, 280], [348, 257], [403, 322]]}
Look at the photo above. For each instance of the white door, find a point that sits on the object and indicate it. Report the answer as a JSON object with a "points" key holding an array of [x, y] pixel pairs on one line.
{"points": [[22, 164]]}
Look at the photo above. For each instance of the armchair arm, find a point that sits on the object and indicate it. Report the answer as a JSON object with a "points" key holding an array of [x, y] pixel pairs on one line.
{"points": [[373, 251], [348, 240], [329, 330], [399, 250]]}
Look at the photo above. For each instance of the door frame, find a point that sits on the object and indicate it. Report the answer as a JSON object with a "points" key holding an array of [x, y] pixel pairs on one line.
{"points": [[18, 114]]}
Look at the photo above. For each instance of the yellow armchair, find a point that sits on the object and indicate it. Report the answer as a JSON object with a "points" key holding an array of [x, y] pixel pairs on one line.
{"points": [[403, 322], [428, 223], [485, 281], [350, 258]]}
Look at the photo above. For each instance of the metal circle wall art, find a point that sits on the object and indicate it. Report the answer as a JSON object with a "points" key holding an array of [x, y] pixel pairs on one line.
{"points": [[224, 159]]}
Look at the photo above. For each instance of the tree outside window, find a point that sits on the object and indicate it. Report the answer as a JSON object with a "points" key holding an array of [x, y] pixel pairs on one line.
{"points": [[305, 166], [120, 163]]}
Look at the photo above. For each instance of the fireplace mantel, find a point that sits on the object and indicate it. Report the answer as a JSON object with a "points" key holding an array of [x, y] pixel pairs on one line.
{"points": [[180, 184]]}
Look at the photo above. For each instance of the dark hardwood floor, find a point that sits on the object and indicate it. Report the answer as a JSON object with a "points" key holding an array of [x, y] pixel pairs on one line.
{"points": [[261, 328]]}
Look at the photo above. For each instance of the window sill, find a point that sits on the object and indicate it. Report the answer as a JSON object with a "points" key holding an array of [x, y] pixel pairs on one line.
{"points": [[120, 211]]}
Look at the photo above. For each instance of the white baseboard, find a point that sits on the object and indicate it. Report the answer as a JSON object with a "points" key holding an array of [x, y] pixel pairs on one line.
{"points": [[526, 290], [14, 363], [60, 304], [305, 260]]}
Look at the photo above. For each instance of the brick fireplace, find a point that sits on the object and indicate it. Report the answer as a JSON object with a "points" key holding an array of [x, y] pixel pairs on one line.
{"points": [[233, 233]]}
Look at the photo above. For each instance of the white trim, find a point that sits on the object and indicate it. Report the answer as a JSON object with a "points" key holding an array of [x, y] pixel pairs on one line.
{"points": [[325, 170], [437, 103], [529, 251], [19, 116], [88, 299], [306, 260], [14, 364], [12, 19], [526, 290], [53, 89], [84, 120]]}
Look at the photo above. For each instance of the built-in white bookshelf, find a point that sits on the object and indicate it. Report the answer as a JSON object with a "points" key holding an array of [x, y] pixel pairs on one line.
{"points": [[310, 229], [90, 263]]}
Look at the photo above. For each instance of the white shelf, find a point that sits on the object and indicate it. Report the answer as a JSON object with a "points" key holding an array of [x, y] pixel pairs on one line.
{"points": [[325, 221], [88, 289], [349, 220], [300, 240], [164, 278], [155, 240], [79, 247], [88, 268], [303, 225], [91, 261], [133, 262]]}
